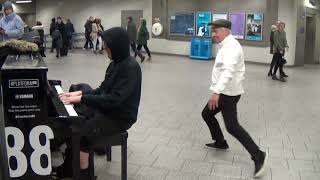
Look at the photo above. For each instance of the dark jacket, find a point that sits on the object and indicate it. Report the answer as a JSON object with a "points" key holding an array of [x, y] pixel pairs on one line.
{"points": [[69, 30], [132, 32], [52, 27], [143, 35], [118, 96], [62, 28], [88, 28], [57, 38]]}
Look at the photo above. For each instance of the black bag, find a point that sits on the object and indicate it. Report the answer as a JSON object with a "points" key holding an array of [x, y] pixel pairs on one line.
{"points": [[283, 61]]}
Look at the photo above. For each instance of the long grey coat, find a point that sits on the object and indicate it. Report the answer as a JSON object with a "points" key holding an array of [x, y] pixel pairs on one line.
{"points": [[132, 31]]}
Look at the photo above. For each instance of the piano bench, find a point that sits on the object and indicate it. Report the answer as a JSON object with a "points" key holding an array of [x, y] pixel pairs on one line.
{"points": [[109, 141]]}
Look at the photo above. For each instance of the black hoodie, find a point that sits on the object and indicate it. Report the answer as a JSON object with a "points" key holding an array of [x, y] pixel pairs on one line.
{"points": [[118, 96]]}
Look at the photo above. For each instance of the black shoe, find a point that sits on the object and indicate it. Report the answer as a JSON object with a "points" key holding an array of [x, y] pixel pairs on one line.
{"points": [[269, 74], [58, 56], [274, 77], [85, 174], [60, 172], [260, 164], [284, 75], [218, 145], [142, 59], [282, 79]]}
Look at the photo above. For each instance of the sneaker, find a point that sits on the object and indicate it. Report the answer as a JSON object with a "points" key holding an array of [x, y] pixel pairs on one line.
{"points": [[142, 59], [274, 77], [260, 164], [282, 79], [218, 145], [60, 172]]}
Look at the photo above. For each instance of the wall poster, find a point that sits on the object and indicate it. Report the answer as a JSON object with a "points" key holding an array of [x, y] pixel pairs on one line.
{"points": [[254, 25], [238, 25]]}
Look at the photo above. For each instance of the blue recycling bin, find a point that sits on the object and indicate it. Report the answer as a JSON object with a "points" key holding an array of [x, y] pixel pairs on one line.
{"points": [[201, 48]]}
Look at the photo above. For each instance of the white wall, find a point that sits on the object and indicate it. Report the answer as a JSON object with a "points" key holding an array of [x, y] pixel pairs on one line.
{"points": [[28, 8], [110, 12], [80, 10]]}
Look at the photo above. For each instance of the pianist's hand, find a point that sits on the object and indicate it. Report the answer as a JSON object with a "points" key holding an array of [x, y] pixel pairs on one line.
{"points": [[71, 99], [70, 94]]}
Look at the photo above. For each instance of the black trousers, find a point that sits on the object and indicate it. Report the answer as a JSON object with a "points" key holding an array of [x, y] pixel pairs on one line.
{"points": [[273, 63], [88, 42], [94, 129], [145, 47], [278, 63], [228, 108], [134, 49]]}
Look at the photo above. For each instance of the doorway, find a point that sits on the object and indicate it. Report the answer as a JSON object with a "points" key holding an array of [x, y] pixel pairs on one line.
{"points": [[309, 57], [135, 14]]}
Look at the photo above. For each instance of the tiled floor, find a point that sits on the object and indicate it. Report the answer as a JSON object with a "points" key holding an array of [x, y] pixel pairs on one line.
{"points": [[167, 142]]}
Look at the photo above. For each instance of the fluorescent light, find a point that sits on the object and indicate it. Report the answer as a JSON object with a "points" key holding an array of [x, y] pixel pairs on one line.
{"points": [[25, 1]]}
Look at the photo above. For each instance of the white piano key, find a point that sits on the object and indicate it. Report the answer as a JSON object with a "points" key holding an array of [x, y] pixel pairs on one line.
{"points": [[68, 107], [59, 89], [70, 110]]}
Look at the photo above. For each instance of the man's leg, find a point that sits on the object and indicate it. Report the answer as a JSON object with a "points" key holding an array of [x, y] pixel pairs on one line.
{"points": [[147, 49], [136, 52], [52, 45], [138, 49], [229, 113], [213, 125]]}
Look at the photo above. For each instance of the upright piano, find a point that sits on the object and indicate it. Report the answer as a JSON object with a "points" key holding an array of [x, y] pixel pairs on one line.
{"points": [[33, 116]]}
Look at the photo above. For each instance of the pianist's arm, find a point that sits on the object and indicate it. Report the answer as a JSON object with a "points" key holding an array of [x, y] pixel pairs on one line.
{"points": [[122, 89]]}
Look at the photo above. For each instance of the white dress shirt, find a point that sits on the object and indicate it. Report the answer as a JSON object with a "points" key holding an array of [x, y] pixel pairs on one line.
{"points": [[229, 69]]}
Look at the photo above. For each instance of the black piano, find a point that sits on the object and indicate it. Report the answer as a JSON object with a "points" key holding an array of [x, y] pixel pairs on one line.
{"points": [[33, 116]]}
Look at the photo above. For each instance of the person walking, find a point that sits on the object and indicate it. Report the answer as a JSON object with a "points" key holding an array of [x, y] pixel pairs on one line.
{"points": [[132, 32], [143, 37], [52, 29], [280, 46], [227, 88]]}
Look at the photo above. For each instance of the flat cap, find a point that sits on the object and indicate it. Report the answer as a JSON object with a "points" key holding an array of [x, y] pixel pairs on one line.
{"points": [[220, 23], [7, 5]]}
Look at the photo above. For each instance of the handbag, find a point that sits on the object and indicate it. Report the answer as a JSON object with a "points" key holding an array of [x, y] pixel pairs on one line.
{"points": [[283, 61]]}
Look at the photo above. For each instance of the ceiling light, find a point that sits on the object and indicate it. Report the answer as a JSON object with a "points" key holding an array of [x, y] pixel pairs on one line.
{"points": [[23, 1]]}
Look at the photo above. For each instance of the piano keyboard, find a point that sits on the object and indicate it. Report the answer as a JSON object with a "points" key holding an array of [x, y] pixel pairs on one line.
{"points": [[68, 107]]}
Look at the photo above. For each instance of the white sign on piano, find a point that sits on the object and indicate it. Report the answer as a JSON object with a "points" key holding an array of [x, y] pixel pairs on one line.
{"points": [[16, 144]]}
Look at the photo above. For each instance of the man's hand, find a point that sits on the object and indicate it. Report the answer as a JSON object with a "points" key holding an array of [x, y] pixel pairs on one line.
{"points": [[213, 101], [71, 99]]}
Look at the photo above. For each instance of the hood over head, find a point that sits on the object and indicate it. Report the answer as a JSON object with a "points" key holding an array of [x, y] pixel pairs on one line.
{"points": [[117, 40]]}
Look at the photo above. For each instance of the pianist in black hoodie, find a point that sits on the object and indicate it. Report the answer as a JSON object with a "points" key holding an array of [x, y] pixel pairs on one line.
{"points": [[113, 106]]}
